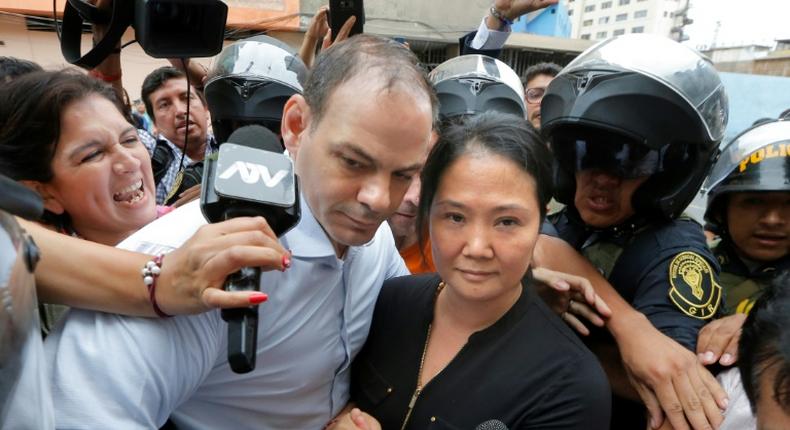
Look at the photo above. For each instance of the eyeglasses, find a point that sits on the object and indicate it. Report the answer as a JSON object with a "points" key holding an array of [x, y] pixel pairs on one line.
{"points": [[535, 95]]}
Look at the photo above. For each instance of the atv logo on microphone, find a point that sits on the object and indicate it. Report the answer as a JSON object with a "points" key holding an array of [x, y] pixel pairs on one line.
{"points": [[252, 173], [256, 175]]}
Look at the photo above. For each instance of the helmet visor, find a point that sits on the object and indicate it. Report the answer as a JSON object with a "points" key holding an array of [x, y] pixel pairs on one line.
{"points": [[610, 153]]}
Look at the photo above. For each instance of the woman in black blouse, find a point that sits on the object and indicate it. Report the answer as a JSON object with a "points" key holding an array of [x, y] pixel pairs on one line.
{"points": [[472, 346]]}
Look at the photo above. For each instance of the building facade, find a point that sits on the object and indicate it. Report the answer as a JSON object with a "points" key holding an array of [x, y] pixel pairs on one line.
{"points": [[601, 19]]}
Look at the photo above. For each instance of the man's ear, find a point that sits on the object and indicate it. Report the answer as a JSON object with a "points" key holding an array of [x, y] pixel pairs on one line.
{"points": [[295, 123], [51, 203]]}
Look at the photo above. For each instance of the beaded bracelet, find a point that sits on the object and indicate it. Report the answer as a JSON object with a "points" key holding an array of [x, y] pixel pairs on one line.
{"points": [[150, 273]]}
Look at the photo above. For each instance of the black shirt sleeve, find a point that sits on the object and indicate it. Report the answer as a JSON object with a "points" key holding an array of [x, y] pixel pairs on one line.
{"points": [[677, 281], [579, 399]]}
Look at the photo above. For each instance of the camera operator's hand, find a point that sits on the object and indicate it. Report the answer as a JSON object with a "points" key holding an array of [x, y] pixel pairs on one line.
{"points": [[108, 70], [197, 72], [319, 30], [316, 31], [341, 35]]}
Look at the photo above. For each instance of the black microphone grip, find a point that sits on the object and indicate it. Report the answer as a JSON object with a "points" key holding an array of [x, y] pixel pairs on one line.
{"points": [[242, 322], [249, 176]]}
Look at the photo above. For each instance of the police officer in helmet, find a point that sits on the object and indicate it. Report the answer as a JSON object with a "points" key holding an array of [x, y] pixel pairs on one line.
{"points": [[472, 84], [249, 83], [749, 208], [634, 124], [465, 85]]}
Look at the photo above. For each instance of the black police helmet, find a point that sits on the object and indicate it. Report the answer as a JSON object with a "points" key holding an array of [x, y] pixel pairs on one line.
{"points": [[249, 83], [662, 100], [472, 84], [756, 160]]}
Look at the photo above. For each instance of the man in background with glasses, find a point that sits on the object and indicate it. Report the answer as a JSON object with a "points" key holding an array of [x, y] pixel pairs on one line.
{"points": [[536, 80]]}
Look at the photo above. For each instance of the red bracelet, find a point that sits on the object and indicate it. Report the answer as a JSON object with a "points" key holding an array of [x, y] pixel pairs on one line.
{"points": [[106, 78], [150, 273]]}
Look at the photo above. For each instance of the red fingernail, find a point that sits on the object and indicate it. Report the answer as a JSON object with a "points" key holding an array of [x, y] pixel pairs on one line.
{"points": [[287, 260], [258, 298]]}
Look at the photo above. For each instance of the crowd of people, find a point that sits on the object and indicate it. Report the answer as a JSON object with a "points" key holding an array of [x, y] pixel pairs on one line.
{"points": [[476, 249]]}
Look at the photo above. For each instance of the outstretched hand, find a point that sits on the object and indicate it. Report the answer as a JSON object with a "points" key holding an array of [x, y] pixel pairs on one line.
{"points": [[571, 297], [319, 30], [355, 419], [512, 9], [718, 340], [670, 380], [193, 275]]}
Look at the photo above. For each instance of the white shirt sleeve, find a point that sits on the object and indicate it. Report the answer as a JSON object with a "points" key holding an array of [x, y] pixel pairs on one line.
{"points": [[738, 415], [110, 371], [117, 372], [488, 39]]}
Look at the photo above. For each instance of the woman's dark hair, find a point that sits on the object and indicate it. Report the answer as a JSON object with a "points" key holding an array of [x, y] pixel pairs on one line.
{"points": [[30, 114], [12, 67], [765, 344], [501, 134]]}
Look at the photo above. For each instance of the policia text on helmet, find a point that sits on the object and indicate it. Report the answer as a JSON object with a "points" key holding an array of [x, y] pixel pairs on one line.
{"points": [[748, 207]]}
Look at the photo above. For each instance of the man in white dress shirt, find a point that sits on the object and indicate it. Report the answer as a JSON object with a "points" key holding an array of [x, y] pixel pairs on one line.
{"points": [[357, 136]]}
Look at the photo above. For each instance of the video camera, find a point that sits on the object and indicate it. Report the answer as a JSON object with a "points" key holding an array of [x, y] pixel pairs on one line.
{"points": [[163, 28]]}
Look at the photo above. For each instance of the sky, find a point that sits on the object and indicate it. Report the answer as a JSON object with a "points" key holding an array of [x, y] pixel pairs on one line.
{"points": [[741, 21]]}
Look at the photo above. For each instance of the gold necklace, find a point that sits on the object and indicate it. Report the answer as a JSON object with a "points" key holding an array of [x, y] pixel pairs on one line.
{"points": [[419, 388]]}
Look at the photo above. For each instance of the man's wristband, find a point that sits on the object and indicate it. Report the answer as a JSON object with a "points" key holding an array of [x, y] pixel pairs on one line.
{"points": [[500, 16]]}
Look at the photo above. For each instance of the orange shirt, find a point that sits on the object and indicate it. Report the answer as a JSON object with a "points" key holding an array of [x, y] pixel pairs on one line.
{"points": [[415, 261]]}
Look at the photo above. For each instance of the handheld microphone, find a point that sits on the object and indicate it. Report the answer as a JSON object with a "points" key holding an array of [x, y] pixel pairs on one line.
{"points": [[249, 176]]}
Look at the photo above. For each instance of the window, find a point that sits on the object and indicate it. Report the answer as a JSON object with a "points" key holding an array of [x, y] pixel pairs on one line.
{"points": [[589, 8], [606, 5], [640, 13], [570, 12], [665, 14], [624, 2], [603, 20], [587, 23], [621, 17], [639, 29], [600, 35], [586, 36], [619, 32]]}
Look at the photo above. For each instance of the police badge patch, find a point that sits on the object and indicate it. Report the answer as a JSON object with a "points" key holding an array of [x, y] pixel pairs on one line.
{"points": [[694, 289]]}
